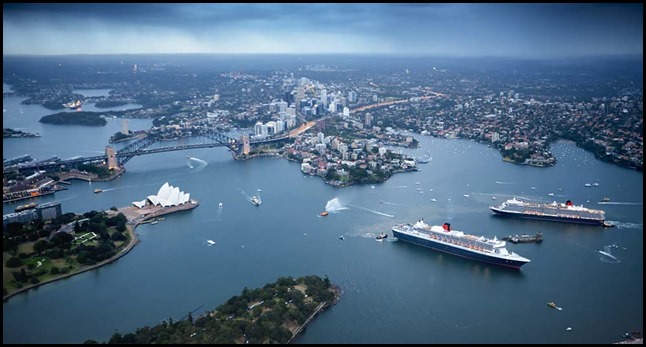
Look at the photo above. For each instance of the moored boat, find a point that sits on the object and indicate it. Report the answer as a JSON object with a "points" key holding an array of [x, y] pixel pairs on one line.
{"points": [[26, 207], [556, 212]]}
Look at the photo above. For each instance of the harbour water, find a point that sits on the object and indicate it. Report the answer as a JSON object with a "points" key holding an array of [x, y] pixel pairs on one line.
{"points": [[393, 292]]}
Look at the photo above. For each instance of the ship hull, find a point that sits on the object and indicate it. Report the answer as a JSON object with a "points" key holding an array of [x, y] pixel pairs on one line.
{"points": [[457, 251], [549, 218]]}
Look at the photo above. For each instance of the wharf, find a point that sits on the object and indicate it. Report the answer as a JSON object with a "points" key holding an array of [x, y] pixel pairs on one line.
{"points": [[524, 238]]}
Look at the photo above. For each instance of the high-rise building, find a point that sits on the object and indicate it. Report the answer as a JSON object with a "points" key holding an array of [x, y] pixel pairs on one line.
{"points": [[324, 97], [320, 137], [368, 119], [346, 112], [257, 129], [352, 96], [112, 158]]}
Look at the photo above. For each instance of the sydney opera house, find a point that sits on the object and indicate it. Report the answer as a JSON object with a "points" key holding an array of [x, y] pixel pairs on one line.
{"points": [[166, 196]]}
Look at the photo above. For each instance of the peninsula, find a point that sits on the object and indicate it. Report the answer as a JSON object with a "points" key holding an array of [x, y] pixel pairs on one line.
{"points": [[275, 313]]}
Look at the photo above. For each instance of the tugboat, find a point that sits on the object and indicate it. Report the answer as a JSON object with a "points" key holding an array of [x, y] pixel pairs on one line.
{"points": [[381, 236]]}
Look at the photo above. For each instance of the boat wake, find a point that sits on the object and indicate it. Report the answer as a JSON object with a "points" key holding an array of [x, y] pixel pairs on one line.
{"points": [[196, 163], [391, 203], [373, 211], [498, 182], [622, 225], [619, 203], [607, 257]]}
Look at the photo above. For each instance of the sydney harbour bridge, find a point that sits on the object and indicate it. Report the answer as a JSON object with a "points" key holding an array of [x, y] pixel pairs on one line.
{"points": [[151, 145]]}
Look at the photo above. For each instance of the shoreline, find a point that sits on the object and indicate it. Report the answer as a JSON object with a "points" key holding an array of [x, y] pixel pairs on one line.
{"points": [[133, 242], [131, 225]]}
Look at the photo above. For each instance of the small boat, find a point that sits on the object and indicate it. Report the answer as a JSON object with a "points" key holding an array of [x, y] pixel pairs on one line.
{"points": [[373, 187], [533, 188], [154, 222], [210, 242], [466, 195], [98, 190], [433, 199], [605, 199], [493, 198], [161, 219], [553, 305], [595, 184], [381, 236], [324, 213], [255, 200], [220, 205], [340, 237], [550, 194], [588, 185]]}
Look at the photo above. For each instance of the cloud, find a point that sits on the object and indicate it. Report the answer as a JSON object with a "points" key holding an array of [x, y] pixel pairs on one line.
{"points": [[538, 30]]}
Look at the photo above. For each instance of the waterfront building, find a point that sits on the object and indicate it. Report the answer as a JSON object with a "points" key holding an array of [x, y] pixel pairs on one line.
{"points": [[18, 217], [165, 197], [49, 210]]}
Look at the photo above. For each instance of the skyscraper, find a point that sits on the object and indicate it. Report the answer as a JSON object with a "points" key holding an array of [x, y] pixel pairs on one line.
{"points": [[368, 120]]}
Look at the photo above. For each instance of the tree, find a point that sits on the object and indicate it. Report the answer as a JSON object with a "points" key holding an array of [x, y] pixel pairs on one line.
{"points": [[13, 262], [41, 245]]}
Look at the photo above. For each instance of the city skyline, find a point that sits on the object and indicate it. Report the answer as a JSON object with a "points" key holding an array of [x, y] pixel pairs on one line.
{"points": [[464, 30]]}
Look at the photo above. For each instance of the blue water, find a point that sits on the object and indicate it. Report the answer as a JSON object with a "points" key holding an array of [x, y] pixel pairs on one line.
{"points": [[393, 292]]}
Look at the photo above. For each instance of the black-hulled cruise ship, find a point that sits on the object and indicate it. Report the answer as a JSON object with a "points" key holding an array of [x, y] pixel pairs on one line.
{"points": [[557, 212], [443, 239]]}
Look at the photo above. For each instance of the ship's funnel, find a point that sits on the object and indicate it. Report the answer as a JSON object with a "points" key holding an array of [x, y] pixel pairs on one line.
{"points": [[568, 203], [447, 226]]}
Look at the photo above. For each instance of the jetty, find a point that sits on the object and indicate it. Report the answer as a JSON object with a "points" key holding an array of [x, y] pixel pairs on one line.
{"points": [[524, 238]]}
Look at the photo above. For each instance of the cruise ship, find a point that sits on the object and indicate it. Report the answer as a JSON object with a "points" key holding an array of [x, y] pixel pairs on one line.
{"points": [[557, 212], [442, 238]]}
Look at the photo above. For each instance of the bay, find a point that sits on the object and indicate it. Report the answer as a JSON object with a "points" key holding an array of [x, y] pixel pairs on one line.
{"points": [[393, 292]]}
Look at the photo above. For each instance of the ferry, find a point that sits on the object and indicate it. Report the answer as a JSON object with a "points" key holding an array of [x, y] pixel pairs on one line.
{"points": [[26, 207]]}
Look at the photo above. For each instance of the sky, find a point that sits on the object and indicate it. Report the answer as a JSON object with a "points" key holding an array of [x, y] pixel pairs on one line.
{"points": [[455, 29]]}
